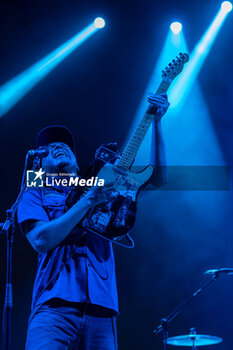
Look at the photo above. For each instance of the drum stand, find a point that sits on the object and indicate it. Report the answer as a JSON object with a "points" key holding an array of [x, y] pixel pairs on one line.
{"points": [[163, 327]]}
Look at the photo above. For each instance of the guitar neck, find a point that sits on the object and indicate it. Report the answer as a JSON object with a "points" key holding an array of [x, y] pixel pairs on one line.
{"points": [[130, 151]]}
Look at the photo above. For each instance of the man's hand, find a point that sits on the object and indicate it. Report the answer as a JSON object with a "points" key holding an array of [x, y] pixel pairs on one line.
{"points": [[160, 101], [45, 236], [99, 194]]}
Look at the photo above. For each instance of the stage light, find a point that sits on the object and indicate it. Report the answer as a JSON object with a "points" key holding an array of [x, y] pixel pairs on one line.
{"points": [[14, 90], [176, 27], [173, 45], [178, 94], [184, 83], [190, 140], [99, 22], [226, 6]]}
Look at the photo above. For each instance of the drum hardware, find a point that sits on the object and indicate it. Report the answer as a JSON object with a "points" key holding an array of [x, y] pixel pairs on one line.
{"points": [[163, 327], [193, 340]]}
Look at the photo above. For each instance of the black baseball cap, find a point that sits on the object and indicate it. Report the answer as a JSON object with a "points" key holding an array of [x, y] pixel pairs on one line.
{"points": [[55, 133]]}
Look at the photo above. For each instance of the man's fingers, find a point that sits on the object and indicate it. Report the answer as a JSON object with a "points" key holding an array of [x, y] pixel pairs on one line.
{"points": [[164, 95], [104, 193], [159, 103], [108, 192], [160, 99], [105, 189]]}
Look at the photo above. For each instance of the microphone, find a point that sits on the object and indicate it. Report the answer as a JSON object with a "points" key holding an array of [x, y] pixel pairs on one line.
{"points": [[225, 270], [40, 152]]}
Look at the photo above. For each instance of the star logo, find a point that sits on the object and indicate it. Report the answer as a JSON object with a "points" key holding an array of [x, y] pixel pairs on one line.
{"points": [[38, 174], [35, 178]]}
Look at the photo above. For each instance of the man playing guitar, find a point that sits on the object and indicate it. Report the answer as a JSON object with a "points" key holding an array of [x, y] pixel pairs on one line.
{"points": [[74, 303]]}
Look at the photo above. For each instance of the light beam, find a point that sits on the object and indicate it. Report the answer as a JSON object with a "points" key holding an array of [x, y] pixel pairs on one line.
{"points": [[15, 89], [184, 83], [174, 44]]}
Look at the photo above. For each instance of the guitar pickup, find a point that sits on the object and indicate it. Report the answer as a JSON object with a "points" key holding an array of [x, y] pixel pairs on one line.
{"points": [[106, 155]]}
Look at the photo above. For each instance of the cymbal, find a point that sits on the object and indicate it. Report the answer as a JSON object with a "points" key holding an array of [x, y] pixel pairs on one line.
{"points": [[194, 339]]}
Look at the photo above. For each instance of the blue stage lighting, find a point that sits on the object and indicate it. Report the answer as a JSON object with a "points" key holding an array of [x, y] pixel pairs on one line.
{"points": [[176, 27], [184, 83], [171, 48], [227, 6], [99, 22], [15, 89]]}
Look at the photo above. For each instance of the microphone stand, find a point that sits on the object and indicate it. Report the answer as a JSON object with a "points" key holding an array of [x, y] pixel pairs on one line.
{"points": [[163, 327], [8, 229]]}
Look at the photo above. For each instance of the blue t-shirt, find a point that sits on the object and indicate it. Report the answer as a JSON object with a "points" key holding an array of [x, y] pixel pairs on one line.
{"points": [[78, 269]]}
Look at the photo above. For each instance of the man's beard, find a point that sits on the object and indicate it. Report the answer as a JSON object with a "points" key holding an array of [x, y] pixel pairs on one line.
{"points": [[62, 167]]}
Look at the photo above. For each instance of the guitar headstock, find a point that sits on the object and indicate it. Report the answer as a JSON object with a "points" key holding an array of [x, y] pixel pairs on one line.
{"points": [[175, 67]]}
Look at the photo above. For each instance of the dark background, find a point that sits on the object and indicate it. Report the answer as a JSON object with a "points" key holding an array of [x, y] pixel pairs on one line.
{"points": [[95, 92]]}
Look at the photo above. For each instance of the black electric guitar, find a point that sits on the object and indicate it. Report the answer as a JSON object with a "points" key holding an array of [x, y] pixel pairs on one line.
{"points": [[114, 219]]}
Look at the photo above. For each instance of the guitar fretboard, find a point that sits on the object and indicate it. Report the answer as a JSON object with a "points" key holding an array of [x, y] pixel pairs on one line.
{"points": [[130, 151]]}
